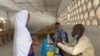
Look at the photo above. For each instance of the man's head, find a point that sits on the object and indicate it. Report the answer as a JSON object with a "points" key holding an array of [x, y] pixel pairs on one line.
{"points": [[57, 25], [78, 30]]}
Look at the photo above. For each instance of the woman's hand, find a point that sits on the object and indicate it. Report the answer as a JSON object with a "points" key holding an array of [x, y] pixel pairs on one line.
{"points": [[35, 41]]}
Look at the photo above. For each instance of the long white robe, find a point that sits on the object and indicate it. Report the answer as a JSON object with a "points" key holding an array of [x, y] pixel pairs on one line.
{"points": [[22, 38]]}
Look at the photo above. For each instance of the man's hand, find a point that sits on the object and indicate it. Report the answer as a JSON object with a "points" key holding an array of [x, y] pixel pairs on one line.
{"points": [[55, 43], [60, 39]]}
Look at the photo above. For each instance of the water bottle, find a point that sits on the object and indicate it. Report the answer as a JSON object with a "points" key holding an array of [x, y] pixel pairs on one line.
{"points": [[48, 38]]}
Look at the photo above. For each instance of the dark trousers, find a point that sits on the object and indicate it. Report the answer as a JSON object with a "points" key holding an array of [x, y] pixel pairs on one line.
{"points": [[31, 52]]}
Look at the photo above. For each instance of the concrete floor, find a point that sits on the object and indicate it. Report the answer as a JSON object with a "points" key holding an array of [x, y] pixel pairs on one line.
{"points": [[7, 49]]}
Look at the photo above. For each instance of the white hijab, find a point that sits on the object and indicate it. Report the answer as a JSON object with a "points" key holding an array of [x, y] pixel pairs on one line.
{"points": [[22, 38]]}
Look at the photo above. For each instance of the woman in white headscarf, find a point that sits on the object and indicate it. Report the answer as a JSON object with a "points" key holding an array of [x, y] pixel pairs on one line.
{"points": [[22, 38]]}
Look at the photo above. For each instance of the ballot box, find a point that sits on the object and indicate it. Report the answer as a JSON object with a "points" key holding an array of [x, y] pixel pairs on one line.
{"points": [[48, 48]]}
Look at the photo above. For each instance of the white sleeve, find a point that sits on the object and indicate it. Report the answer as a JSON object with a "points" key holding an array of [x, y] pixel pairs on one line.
{"points": [[79, 48], [66, 48]]}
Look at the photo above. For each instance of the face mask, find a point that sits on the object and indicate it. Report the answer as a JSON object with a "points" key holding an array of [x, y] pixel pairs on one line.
{"points": [[76, 36]]}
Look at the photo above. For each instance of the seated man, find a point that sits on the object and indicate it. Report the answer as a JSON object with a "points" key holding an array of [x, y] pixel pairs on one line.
{"points": [[83, 46]]}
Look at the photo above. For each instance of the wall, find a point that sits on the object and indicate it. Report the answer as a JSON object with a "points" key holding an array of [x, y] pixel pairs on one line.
{"points": [[38, 20], [3, 14], [63, 5], [86, 12]]}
